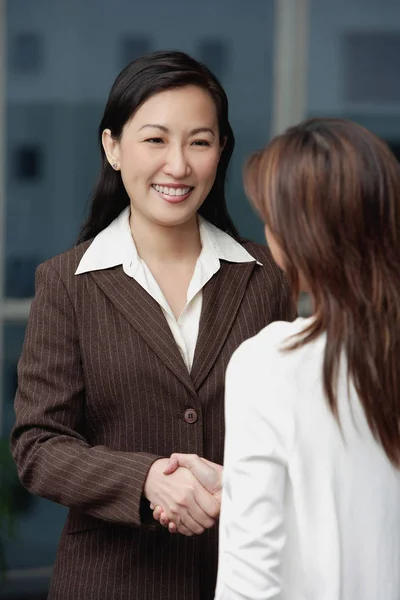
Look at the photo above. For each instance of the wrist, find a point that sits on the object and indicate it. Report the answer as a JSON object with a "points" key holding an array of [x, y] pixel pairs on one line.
{"points": [[153, 475]]}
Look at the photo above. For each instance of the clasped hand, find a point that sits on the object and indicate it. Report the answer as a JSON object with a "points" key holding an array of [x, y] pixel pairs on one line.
{"points": [[185, 493]]}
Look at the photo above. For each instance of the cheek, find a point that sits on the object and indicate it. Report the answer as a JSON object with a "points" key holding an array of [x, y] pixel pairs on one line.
{"points": [[275, 249], [137, 164], [277, 255], [206, 168]]}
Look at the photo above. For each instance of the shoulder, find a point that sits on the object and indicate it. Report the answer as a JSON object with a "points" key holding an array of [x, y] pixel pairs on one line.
{"points": [[59, 269], [66, 263], [267, 351], [55, 279], [269, 271], [261, 252], [261, 382], [272, 282]]}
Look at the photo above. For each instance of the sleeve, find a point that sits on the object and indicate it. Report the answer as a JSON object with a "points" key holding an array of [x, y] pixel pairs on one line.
{"points": [[259, 433], [48, 442]]}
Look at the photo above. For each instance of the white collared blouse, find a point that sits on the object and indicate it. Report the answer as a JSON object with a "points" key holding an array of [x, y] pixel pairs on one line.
{"points": [[115, 246]]}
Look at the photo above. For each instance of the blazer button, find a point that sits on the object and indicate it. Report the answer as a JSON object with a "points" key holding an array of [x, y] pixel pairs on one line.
{"points": [[190, 415]]}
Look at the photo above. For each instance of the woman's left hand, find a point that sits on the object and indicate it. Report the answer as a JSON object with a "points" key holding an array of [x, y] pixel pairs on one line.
{"points": [[209, 474]]}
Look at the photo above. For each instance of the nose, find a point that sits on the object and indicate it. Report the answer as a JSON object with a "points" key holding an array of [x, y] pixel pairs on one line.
{"points": [[176, 163]]}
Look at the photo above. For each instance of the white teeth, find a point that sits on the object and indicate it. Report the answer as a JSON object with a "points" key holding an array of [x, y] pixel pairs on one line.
{"points": [[171, 191]]}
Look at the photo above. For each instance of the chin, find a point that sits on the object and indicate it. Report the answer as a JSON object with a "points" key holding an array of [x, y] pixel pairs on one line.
{"points": [[175, 220]]}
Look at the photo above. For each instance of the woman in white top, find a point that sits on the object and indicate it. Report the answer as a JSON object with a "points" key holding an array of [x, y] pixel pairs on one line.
{"points": [[311, 495]]}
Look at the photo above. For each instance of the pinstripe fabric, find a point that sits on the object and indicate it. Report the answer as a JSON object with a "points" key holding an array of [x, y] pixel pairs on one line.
{"points": [[101, 395]]}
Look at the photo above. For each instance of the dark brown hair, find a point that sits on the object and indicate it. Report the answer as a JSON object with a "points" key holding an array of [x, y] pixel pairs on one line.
{"points": [[329, 191]]}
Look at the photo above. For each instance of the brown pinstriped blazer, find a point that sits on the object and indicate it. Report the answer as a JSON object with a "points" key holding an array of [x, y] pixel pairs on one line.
{"points": [[102, 392]]}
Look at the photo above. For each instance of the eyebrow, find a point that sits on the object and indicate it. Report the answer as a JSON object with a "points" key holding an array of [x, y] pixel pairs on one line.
{"points": [[166, 130]]}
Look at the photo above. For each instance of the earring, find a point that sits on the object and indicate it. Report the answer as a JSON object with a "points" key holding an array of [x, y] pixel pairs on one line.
{"points": [[114, 166]]}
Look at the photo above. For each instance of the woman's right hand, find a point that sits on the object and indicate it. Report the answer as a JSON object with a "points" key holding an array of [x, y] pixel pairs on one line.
{"points": [[209, 474], [184, 499]]}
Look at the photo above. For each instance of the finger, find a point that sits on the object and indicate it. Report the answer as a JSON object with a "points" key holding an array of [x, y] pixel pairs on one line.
{"points": [[191, 524], [178, 527], [172, 465], [183, 460], [190, 515], [205, 472], [207, 509], [195, 512], [157, 513], [197, 503], [187, 460], [165, 517], [172, 528], [182, 530], [164, 520], [207, 475], [152, 507]]}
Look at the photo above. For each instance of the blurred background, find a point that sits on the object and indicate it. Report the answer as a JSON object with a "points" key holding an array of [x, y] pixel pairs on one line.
{"points": [[279, 61]]}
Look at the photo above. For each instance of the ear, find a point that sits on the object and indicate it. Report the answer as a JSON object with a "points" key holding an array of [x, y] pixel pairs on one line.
{"points": [[222, 145], [111, 148]]}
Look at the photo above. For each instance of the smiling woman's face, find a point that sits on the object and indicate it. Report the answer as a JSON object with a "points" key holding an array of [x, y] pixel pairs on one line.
{"points": [[168, 155]]}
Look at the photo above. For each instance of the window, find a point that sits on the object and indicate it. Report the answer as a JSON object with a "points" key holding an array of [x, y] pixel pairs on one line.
{"points": [[19, 281], [133, 47], [28, 163], [371, 68], [214, 54], [27, 53]]}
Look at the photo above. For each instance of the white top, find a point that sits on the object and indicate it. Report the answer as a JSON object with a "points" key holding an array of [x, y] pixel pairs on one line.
{"points": [[306, 513], [115, 246]]}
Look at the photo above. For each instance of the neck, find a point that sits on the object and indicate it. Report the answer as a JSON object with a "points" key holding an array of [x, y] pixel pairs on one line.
{"points": [[156, 242]]}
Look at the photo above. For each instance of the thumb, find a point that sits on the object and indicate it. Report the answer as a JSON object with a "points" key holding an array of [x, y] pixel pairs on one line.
{"points": [[206, 473], [172, 465], [215, 466]]}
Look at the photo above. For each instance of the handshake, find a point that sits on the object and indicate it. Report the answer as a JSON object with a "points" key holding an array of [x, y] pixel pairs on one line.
{"points": [[184, 492]]}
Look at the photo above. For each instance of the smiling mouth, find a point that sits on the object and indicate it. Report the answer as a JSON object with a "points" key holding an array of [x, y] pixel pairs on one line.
{"points": [[173, 192]]}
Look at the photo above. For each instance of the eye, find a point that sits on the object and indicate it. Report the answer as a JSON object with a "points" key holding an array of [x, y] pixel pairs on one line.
{"points": [[203, 143], [155, 141]]}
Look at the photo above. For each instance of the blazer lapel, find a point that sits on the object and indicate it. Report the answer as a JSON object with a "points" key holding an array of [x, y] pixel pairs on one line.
{"points": [[146, 316], [222, 297]]}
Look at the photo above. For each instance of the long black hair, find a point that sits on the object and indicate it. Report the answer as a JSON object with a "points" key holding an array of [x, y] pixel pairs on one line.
{"points": [[141, 79]]}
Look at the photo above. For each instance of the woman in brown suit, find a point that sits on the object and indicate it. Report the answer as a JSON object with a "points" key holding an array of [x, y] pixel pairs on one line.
{"points": [[128, 339]]}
